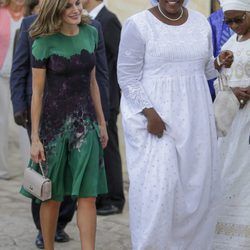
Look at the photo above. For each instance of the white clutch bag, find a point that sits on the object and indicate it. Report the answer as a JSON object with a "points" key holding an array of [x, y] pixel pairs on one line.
{"points": [[37, 184], [226, 106]]}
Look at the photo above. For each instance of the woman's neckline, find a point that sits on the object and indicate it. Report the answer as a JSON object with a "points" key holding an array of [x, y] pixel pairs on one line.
{"points": [[169, 25], [74, 35]]}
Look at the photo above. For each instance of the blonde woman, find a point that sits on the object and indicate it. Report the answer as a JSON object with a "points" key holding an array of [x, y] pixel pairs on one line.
{"points": [[66, 112]]}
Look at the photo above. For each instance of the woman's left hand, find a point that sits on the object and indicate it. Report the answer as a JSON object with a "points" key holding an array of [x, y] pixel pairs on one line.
{"points": [[103, 135], [242, 94]]}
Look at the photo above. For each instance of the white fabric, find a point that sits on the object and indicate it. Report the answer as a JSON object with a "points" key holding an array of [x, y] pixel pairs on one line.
{"points": [[93, 13], [226, 106], [6, 68], [174, 180], [24, 144], [4, 126], [5, 101], [234, 222], [241, 5]]}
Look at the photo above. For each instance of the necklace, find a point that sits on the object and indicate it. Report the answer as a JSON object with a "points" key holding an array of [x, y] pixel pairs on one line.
{"points": [[171, 19]]}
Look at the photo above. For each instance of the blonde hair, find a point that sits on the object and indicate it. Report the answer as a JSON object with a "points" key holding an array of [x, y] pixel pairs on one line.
{"points": [[49, 19]]}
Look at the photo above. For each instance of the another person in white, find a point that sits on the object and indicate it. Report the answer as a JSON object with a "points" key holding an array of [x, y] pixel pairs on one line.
{"points": [[165, 59], [11, 14], [232, 231]]}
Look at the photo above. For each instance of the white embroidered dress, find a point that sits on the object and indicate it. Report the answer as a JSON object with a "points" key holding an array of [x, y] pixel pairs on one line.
{"points": [[233, 228], [174, 180]]}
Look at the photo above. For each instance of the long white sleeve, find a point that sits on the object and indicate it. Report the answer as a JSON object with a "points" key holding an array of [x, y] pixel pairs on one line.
{"points": [[210, 70], [130, 67]]}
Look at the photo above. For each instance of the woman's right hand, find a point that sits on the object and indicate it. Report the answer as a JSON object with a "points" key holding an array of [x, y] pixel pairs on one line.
{"points": [[103, 134], [226, 57], [37, 151], [155, 124]]}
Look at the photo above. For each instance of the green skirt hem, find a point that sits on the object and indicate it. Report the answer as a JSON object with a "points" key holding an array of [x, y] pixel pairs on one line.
{"points": [[61, 198], [79, 172]]}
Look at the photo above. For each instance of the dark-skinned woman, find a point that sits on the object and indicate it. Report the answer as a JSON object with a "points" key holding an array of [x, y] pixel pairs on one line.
{"points": [[165, 59], [233, 225]]}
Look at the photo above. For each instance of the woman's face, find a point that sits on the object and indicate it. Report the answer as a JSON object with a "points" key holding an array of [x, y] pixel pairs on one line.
{"points": [[73, 12], [238, 21], [171, 6]]}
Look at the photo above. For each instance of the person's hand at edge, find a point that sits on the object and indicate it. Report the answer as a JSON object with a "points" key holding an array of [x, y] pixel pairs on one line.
{"points": [[21, 118]]}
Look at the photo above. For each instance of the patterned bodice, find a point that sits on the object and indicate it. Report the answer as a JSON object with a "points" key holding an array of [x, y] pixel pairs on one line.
{"points": [[67, 104]]}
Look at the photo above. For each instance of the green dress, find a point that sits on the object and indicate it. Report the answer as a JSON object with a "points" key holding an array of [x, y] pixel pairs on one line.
{"points": [[68, 128]]}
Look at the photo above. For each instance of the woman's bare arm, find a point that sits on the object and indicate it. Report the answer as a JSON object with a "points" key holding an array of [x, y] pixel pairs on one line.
{"points": [[38, 83]]}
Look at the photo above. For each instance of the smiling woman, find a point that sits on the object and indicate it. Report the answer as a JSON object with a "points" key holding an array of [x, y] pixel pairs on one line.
{"points": [[68, 126], [43, 27], [165, 59]]}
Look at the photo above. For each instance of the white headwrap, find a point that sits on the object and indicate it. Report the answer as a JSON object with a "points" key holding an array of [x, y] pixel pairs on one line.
{"points": [[241, 5], [155, 2]]}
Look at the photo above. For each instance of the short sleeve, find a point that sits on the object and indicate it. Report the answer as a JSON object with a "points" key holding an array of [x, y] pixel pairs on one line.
{"points": [[39, 53]]}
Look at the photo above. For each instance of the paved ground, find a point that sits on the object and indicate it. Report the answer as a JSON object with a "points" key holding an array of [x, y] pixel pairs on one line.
{"points": [[17, 231]]}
